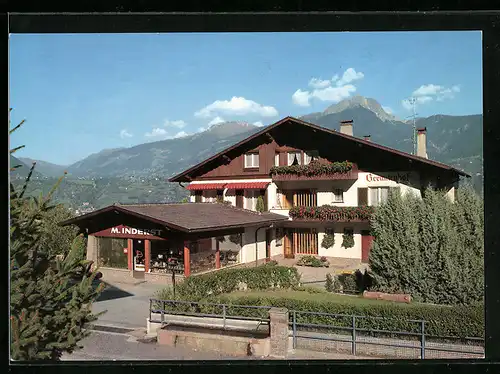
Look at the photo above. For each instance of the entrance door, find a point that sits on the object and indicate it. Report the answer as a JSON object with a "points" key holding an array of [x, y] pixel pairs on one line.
{"points": [[366, 245], [268, 244], [288, 244], [139, 255], [239, 199]]}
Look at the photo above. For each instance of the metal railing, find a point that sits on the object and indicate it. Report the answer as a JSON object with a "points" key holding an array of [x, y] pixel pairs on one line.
{"points": [[195, 309], [354, 330]]}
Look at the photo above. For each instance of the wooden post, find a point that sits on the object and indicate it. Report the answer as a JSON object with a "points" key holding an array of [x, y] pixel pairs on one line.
{"points": [[217, 254], [129, 253], [187, 260], [147, 255]]}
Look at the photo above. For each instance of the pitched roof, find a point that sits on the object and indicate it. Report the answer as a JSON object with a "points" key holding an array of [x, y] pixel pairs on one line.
{"points": [[188, 217], [184, 176]]}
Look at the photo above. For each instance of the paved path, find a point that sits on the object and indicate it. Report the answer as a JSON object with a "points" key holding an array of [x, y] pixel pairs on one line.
{"points": [[119, 347], [126, 304]]}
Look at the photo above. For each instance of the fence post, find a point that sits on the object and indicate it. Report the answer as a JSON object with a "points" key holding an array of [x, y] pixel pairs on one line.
{"points": [[422, 340], [150, 307], [162, 312], [294, 330], [224, 314], [353, 335]]}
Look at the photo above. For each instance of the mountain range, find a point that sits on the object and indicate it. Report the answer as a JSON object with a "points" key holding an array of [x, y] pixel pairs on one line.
{"points": [[454, 140]]}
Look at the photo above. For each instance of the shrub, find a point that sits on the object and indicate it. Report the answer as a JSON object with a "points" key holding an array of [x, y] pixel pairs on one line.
{"points": [[429, 247], [259, 207], [328, 240], [458, 321], [332, 283], [332, 213], [363, 280], [312, 261], [348, 238], [264, 277], [348, 282]]}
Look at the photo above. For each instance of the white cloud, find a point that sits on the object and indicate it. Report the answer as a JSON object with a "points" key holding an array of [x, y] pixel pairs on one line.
{"points": [[429, 92], [180, 134], [319, 83], [156, 133], [324, 90], [201, 129], [349, 76], [334, 94], [179, 124], [258, 124], [429, 89], [301, 98], [387, 109], [236, 106], [125, 134], [216, 120]]}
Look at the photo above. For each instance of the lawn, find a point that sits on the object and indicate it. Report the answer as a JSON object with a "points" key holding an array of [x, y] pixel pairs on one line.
{"points": [[316, 295]]}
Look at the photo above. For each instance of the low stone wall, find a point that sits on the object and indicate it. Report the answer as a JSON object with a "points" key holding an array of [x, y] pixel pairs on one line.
{"points": [[220, 341], [117, 275], [162, 278]]}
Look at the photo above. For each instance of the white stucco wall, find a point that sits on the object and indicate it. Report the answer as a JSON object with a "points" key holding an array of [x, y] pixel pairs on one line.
{"points": [[248, 248], [337, 250]]}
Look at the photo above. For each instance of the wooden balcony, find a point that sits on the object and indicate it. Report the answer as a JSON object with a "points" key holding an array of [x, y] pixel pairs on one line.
{"points": [[315, 170], [350, 175], [329, 213]]}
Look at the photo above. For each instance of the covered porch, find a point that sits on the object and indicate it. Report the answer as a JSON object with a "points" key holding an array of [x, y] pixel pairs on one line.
{"points": [[157, 242]]}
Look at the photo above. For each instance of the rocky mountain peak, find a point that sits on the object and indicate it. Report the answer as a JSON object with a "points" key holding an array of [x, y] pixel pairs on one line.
{"points": [[361, 101]]}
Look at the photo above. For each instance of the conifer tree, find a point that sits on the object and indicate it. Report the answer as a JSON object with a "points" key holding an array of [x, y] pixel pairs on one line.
{"points": [[430, 247], [50, 298]]}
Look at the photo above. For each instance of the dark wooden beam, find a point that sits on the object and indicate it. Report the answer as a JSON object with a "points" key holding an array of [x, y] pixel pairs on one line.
{"points": [[269, 137], [226, 159]]}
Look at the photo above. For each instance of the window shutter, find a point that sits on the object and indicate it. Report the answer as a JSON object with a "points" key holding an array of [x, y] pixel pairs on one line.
{"points": [[362, 196]]}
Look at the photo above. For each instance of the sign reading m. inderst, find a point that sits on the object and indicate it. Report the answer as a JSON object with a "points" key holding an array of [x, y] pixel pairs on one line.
{"points": [[127, 232]]}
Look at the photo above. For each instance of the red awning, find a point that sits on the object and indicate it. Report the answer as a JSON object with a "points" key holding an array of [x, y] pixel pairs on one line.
{"points": [[206, 186], [247, 186]]}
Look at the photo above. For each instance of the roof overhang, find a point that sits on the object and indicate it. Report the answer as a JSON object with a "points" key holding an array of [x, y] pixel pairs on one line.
{"points": [[203, 225], [221, 157]]}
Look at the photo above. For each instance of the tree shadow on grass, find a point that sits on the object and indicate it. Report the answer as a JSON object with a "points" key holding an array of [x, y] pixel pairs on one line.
{"points": [[111, 292]]}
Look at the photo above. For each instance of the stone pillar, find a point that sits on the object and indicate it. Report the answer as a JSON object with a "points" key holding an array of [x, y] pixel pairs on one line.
{"points": [[187, 260], [130, 255], [217, 254], [147, 254], [92, 243], [279, 332]]}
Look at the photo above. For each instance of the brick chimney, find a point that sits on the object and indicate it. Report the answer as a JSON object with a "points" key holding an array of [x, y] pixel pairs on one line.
{"points": [[367, 138], [346, 127], [422, 142]]}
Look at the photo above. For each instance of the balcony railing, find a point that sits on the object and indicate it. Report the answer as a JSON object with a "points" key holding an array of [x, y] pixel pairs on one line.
{"points": [[331, 213], [315, 170]]}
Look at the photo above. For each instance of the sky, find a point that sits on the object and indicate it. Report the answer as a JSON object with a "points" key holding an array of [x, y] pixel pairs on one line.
{"points": [[82, 93]]}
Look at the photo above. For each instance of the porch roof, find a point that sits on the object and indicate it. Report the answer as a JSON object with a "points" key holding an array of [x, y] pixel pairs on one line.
{"points": [[185, 217]]}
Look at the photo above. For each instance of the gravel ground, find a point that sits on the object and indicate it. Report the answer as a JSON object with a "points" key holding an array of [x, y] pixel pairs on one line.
{"points": [[105, 346]]}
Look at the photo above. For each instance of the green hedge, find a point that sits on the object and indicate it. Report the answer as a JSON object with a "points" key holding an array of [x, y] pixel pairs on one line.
{"points": [[457, 321], [265, 277]]}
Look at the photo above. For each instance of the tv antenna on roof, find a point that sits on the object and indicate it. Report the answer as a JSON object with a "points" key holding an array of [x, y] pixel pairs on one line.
{"points": [[413, 102]]}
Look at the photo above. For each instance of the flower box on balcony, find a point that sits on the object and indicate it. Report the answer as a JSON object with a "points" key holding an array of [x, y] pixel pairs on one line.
{"points": [[315, 170], [331, 213]]}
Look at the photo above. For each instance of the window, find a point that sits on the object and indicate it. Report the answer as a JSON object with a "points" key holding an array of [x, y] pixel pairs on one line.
{"points": [[378, 195], [210, 196], [292, 156], [198, 196], [251, 200], [309, 156], [252, 160], [276, 159], [220, 195], [338, 195]]}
